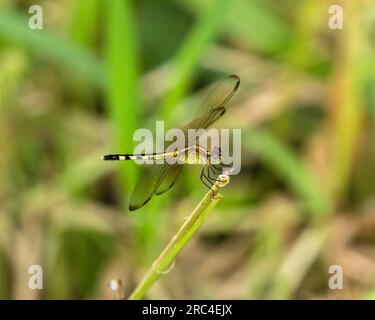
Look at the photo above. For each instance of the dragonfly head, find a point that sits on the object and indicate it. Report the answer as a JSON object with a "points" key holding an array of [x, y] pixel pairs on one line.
{"points": [[216, 155]]}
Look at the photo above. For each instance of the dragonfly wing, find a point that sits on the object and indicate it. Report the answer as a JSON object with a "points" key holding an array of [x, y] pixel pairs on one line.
{"points": [[147, 185], [213, 106], [156, 179], [169, 179]]}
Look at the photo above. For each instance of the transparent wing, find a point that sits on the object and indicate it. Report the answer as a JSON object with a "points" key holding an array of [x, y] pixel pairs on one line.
{"points": [[213, 106], [169, 179], [147, 184], [158, 178], [154, 179]]}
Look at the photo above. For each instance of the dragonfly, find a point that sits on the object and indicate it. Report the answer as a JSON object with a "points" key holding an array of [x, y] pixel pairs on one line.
{"points": [[158, 178]]}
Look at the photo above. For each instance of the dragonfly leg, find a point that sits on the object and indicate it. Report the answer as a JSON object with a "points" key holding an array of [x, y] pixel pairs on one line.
{"points": [[210, 168], [219, 169], [215, 168], [225, 165], [207, 176], [206, 181]]}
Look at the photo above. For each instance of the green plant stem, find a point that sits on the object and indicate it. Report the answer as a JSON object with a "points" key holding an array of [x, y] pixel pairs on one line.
{"points": [[181, 238]]}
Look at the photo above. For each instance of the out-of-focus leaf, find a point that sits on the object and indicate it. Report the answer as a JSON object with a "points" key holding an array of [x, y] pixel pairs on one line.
{"points": [[369, 295], [45, 44], [80, 255], [249, 23], [187, 58], [295, 266], [346, 101], [124, 107], [122, 93], [85, 21], [5, 276], [292, 170]]}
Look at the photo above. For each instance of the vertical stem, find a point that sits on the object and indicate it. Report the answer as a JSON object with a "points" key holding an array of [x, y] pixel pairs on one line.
{"points": [[181, 238]]}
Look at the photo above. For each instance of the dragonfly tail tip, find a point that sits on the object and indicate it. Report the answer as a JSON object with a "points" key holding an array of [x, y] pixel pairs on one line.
{"points": [[110, 157]]}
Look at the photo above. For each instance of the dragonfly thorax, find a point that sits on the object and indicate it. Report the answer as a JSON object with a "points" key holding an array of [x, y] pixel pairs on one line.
{"points": [[195, 155]]}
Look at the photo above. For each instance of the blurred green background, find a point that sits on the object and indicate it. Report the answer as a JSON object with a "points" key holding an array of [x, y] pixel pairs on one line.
{"points": [[99, 70]]}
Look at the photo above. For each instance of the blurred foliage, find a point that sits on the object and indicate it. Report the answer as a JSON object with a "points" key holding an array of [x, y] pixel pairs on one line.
{"points": [[79, 88]]}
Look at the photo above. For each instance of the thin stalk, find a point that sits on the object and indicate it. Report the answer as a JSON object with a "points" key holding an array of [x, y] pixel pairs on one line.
{"points": [[181, 238]]}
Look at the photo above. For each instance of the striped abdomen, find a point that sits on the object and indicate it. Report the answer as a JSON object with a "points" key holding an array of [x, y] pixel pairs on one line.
{"points": [[141, 156], [191, 155]]}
